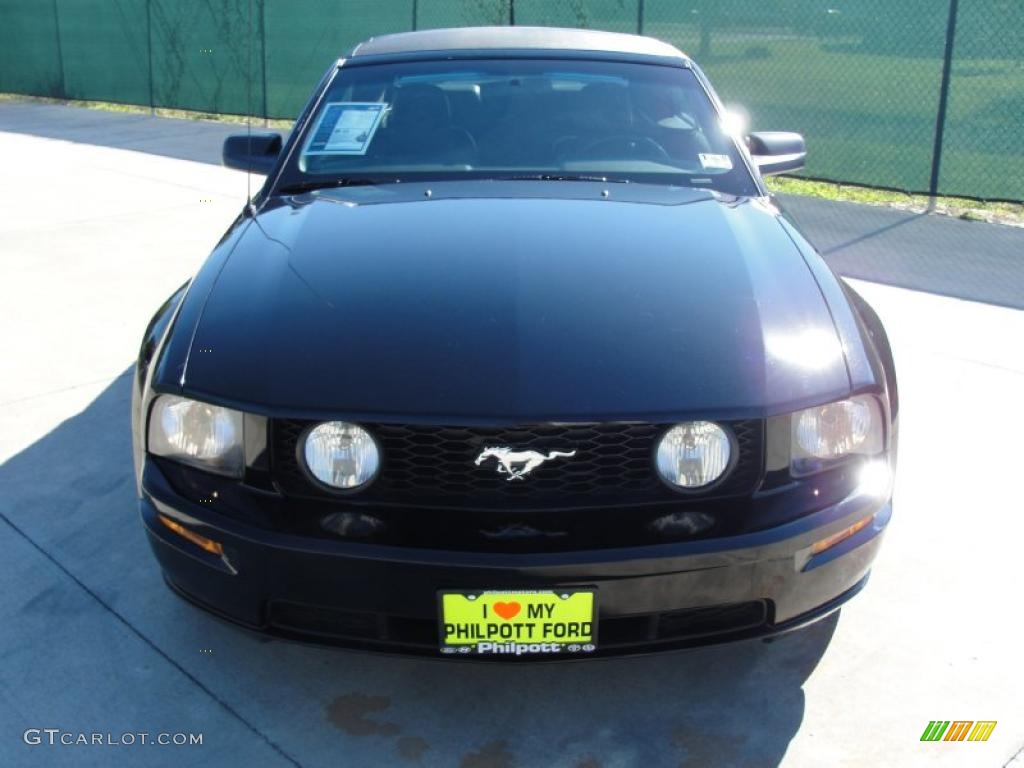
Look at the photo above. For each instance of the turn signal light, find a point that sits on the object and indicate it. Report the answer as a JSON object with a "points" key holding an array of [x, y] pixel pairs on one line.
{"points": [[211, 546], [820, 546]]}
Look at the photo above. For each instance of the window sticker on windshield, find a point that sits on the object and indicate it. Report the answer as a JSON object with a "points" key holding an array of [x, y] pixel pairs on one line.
{"points": [[345, 128], [723, 162]]}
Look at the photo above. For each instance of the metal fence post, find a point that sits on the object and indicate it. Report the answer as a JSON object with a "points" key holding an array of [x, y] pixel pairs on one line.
{"points": [[415, 13], [60, 52], [512, 13], [940, 117], [263, 59], [640, 17], [149, 51]]}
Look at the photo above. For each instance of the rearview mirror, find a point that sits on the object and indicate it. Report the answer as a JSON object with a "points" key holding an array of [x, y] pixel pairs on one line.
{"points": [[777, 151], [256, 152]]}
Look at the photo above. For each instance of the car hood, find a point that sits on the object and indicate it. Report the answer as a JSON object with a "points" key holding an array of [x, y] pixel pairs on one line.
{"points": [[385, 304]]}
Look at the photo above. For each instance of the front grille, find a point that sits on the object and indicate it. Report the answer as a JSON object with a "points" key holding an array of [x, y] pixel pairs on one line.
{"points": [[434, 466], [615, 633]]}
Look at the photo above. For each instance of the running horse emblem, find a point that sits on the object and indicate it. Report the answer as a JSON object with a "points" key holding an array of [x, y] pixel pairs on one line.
{"points": [[518, 464]]}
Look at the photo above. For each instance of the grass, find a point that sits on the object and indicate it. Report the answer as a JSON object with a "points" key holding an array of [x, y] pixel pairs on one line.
{"points": [[868, 110], [134, 109], [959, 207], [963, 208]]}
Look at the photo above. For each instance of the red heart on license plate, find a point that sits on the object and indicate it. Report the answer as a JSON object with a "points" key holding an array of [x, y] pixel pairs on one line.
{"points": [[507, 610]]}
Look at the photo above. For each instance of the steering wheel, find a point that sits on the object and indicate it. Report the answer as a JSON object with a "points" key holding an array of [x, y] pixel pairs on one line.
{"points": [[633, 146]]}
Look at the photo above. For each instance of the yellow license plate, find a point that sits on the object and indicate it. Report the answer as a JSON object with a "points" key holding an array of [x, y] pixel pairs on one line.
{"points": [[517, 623]]}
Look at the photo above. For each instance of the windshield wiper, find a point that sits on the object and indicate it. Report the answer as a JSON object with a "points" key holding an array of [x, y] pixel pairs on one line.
{"points": [[359, 181], [560, 177], [350, 181]]}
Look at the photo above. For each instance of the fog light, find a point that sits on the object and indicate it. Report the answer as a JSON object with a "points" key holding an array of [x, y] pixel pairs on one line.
{"points": [[211, 546], [693, 455], [341, 455]]}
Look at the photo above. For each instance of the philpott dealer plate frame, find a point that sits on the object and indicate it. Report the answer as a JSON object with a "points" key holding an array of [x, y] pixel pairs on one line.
{"points": [[518, 622]]}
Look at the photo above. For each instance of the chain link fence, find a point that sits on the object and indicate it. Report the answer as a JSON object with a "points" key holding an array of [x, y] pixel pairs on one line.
{"points": [[919, 95]]}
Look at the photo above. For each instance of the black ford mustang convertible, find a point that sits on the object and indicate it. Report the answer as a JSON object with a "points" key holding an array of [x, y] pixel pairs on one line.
{"points": [[514, 356]]}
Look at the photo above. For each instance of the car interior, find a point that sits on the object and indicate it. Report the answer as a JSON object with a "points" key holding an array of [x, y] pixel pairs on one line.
{"points": [[535, 122]]}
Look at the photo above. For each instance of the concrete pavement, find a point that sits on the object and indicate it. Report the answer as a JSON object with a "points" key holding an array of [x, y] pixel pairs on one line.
{"points": [[938, 254], [92, 238]]}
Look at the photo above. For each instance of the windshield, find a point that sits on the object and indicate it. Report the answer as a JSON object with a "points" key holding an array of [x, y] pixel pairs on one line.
{"points": [[517, 118]]}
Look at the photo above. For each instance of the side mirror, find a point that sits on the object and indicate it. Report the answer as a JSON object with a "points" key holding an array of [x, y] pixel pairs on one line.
{"points": [[256, 153], [777, 151]]}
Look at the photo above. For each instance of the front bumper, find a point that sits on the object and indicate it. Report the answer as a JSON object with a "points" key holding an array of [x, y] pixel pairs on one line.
{"points": [[383, 598]]}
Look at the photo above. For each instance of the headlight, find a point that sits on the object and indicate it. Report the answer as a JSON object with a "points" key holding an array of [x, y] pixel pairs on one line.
{"points": [[341, 455], [831, 432], [203, 435], [694, 454]]}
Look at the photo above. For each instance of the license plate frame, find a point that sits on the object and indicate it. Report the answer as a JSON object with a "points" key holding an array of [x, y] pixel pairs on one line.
{"points": [[502, 629]]}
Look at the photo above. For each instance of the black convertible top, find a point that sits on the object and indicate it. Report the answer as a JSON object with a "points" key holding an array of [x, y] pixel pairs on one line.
{"points": [[512, 38]]}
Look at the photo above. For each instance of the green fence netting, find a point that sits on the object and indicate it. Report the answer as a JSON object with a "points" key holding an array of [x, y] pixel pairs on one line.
{"points": [[861, 79], [29, 60], [983, 147], [104, 50]]}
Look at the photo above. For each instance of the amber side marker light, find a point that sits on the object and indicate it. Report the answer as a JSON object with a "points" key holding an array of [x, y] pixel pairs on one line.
{"points": [[211, 546], [820, 546]]}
